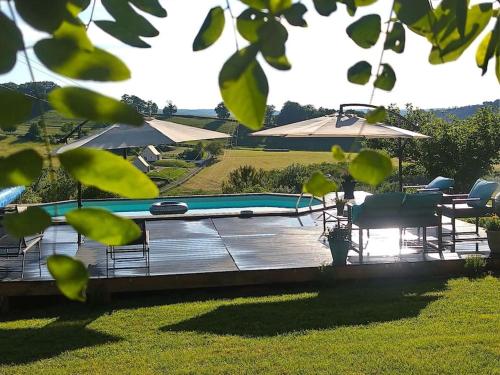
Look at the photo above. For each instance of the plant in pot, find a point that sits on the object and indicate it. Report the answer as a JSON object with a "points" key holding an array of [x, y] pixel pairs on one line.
{"points": [[492, 226], [348, 185], [340, 205], [339, 239]]}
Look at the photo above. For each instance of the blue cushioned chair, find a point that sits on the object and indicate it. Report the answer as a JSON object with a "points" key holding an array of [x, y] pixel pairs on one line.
{"points": [[440, 183], [472, 205]]}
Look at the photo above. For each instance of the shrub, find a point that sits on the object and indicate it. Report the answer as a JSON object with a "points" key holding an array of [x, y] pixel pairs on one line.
{"points": [[215, 148], [475, 265], [492, 223], [195, 153], [34, 132]]}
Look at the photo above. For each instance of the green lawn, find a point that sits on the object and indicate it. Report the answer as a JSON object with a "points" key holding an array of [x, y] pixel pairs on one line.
{"points": [[223, 126], [168, 173], [394, 327]]}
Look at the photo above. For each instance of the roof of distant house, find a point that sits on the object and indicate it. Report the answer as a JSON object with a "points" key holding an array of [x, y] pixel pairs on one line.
{"points": [[153, 150], [141, 160]]}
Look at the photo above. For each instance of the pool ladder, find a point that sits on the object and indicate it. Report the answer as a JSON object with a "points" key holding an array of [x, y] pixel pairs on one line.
{"points": [[298, 202]]}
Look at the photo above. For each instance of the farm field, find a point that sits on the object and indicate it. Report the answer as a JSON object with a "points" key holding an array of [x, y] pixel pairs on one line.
{"points": [[210, 179]]}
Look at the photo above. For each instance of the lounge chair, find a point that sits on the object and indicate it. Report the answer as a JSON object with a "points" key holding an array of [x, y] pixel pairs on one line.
{"points": [[15, 249], [125, 254], [397, 210], [440, 183], [472, 205]]}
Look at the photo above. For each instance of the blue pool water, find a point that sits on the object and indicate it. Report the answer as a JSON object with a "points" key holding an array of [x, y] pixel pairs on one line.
{"points": [[141, 206]]}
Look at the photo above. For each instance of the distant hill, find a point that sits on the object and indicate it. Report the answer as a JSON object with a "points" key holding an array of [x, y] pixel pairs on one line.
{"points": [[464, 112], [196, 112]]}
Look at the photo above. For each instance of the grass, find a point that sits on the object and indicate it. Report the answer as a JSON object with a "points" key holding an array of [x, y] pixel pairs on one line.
{"points": [[403, 327], [210, 179], [178, 163], [168, 173]]}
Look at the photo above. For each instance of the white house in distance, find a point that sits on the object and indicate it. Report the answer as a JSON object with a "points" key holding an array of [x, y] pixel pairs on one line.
{"points": [[151, 154], [141, 164]]}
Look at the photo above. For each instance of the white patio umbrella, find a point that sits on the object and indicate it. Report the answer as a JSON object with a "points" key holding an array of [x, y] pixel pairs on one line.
{"points": [[342, 126], [153, 132]]}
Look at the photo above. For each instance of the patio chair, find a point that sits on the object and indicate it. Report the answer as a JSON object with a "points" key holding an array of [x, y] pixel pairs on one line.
{"points": [[397, 210], [472, 205], [130, 254], [15, 249], [440, 183]]}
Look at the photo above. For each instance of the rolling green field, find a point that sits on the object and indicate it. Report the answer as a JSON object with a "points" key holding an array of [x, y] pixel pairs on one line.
{"points": [[223, 126], [394, 327], [210, 178]]}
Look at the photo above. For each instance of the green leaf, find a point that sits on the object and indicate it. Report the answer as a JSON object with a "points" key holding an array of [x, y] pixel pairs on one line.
{"points": [[103, 226], [487, 47], [350, 5], [14, 108], [448, 45], [122, 33], [387, 79], [278, 6], [359, 73], [497, 64], [416, 14], [20, 168], [460, 8], [249, 22], [11, 41], [70, 274], [338, 153], [43, 15], [280, 62], [295, 15], [71, 54], [325, 7], [363, 3], [318, 185], [75, 102], [371, 167], [272, 36], [256, 4], [365, 31], [211, 29], [152, 7], [108, 172], [377, 115], [244, 88], [31, 221], [125, 15], [395, 40]]}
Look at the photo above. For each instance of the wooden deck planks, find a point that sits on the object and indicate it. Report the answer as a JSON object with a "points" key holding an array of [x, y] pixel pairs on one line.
{"points": [[230, 244]]}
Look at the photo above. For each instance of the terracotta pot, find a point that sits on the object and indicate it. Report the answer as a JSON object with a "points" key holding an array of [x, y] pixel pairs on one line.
{"points": [[494, 241]]}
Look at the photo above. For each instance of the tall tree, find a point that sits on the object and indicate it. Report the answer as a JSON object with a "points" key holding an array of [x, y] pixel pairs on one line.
{"points": [[270, 118], [140, 105], [221, 111], [169, 109]]}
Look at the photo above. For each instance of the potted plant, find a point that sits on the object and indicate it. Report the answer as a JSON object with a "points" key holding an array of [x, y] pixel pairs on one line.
{"points": [[348, 185], [339, 239], [492, 226], [340, 205]]}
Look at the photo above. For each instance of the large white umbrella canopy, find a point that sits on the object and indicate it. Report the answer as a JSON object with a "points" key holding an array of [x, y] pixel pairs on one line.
{"points": [[334, 126], [153, 132], [343, 126]]}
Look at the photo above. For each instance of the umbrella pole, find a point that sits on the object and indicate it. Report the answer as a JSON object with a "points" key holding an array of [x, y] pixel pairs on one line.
{"points": [[79, 203]]}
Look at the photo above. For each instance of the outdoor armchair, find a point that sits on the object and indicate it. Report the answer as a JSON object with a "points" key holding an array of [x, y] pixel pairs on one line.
{"points": [[397, 210], [130, 255], [440, 183], [478, 203], [15, 249]]}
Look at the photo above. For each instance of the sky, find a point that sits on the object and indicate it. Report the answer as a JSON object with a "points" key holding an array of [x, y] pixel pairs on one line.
{"points": [[320, 56]]}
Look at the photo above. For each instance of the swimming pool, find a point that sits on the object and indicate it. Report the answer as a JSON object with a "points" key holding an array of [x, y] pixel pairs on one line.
{"points": [[196, 204]]}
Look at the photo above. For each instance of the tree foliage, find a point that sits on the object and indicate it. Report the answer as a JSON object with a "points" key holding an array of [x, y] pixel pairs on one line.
{"points": [[221, 111], [170, 109]]}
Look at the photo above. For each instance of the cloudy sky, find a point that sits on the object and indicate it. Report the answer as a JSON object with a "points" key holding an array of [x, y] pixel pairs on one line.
{"points": [[320, 55]]}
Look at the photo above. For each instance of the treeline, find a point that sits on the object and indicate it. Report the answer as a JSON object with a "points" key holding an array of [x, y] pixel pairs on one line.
{"points": [[465, 111]]}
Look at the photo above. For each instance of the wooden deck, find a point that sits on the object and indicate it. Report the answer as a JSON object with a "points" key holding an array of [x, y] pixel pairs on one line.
{"points": [[232, 244]]}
